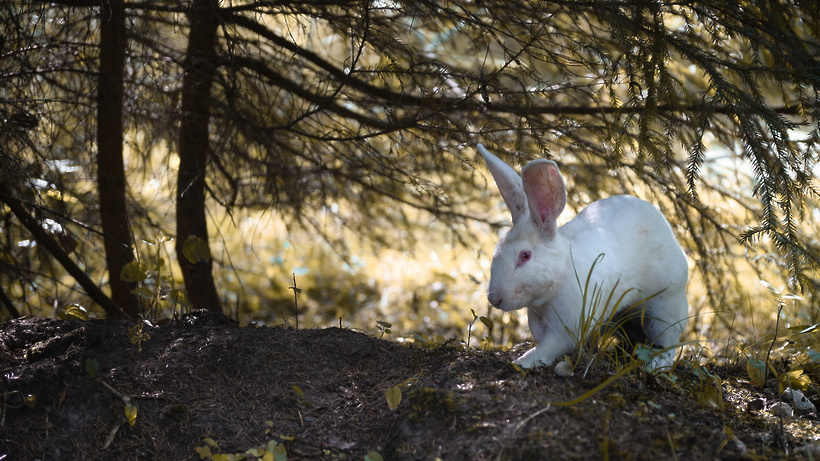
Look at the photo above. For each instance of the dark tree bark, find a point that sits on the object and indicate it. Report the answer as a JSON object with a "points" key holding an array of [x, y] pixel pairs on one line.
{"points": [[110, 168], [194, 147], [8, 304]]}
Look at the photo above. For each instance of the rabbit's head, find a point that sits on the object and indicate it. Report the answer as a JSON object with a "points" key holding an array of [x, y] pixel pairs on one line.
{"points": [[530, 259]]}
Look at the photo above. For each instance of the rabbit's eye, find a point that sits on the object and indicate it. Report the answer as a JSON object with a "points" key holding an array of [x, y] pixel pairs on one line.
{"points": [[523, 257]]}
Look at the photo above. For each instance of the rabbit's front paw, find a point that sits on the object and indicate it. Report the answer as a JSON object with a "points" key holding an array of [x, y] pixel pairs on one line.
{"points": [[531, 359], [662, 361]]}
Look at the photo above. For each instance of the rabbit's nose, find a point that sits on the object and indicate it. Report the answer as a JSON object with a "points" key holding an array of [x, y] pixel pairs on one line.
{"points": [[494, 298]]}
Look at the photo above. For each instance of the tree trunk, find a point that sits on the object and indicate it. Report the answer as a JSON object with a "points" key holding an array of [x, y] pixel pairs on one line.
{"points": [[110, 167], [8, 304], [194, 147]]}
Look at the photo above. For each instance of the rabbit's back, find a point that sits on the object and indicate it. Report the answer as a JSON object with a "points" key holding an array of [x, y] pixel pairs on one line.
{"points": [[636, 239]]}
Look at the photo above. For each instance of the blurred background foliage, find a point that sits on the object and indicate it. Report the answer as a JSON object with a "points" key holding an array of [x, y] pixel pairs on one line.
{"points": [[341, 150]]}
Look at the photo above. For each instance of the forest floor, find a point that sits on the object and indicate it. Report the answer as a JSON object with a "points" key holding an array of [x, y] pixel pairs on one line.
{"points": [[204, 387]]}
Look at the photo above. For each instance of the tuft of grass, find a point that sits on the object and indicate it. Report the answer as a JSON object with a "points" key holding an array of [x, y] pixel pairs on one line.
{"points": [[603, 334]]}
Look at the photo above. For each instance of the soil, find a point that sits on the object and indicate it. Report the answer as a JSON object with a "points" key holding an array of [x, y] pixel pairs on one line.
{"points": [[206, 386]]}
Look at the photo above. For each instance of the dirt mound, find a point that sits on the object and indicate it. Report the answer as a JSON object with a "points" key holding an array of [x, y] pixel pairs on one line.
{"points": [[203, 384]]}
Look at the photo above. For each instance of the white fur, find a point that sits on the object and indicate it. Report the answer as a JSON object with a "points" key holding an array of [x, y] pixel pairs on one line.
{"points": [[641, 256]]}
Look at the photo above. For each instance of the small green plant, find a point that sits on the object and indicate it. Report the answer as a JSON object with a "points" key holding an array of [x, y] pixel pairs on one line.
{"points": [[163, 289], [383, 328], [138, 336], [486, 321], [800, 343], [780, 305], [710, 393]]}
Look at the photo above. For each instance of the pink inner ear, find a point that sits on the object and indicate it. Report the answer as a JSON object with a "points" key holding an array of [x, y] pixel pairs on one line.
{"points": [[545, 192]]}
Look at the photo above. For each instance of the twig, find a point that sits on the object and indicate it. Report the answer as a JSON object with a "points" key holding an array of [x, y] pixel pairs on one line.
{"points": [[126, 399], [111, 435], [4, 397], [776, 327], [296, 291]]}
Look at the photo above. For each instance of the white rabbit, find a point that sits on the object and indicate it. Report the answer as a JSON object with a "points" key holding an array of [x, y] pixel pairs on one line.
{"points": [[536, 262]]}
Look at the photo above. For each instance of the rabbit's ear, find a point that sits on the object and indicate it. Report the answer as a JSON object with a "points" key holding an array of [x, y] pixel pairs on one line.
{"points": [[545, 193], [508, 182]]}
